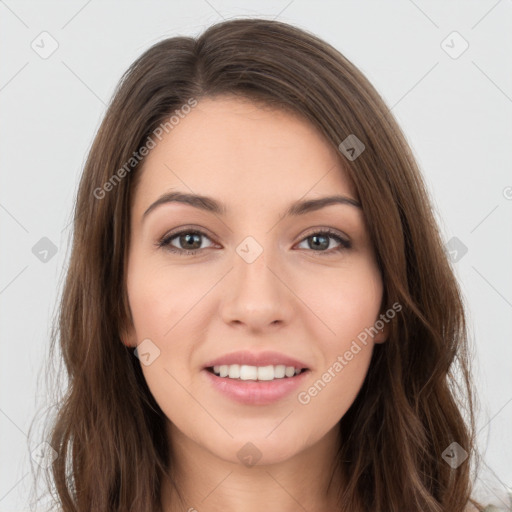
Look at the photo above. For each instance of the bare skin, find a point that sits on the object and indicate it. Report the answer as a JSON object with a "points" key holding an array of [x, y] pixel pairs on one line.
{"points": [[306, 302]]}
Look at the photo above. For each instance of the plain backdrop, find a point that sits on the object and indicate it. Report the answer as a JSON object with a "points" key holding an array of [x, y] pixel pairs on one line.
{"points": [[443, 67]]}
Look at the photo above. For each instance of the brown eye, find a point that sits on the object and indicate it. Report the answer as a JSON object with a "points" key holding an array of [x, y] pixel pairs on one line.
{"points": [[188, 241]]}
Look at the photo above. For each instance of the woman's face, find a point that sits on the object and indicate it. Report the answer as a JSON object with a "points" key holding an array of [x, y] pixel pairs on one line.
{"points": [[238, 283]]}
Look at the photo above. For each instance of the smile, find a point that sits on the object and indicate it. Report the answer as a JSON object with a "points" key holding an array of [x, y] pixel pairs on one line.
{"points": [[256, 373]]}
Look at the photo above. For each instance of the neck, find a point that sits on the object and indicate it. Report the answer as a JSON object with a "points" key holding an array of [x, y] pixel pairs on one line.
{"points": [[204, 482]]}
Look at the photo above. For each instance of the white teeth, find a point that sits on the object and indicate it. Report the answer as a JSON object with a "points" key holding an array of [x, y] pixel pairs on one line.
{"points": [[279, 371], [266, 372], [290, 371], [246, 372], [234, 371]]}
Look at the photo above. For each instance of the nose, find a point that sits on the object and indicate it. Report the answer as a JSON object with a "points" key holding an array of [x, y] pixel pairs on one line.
{"points": [[257, 295]]}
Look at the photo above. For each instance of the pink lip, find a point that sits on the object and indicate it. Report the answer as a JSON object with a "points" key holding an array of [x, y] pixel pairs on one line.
{"points": [[256, 359], [251, 392]]}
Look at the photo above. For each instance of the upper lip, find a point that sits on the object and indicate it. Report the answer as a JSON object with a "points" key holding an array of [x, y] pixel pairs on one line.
{"points": [[256, 359]]}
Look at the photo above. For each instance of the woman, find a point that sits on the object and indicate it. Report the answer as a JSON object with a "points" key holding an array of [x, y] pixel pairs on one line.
{"points": [[258, 310]]}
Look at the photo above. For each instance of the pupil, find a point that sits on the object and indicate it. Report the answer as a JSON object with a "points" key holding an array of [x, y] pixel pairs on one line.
{"points": [[190, 239], [316, 238]]}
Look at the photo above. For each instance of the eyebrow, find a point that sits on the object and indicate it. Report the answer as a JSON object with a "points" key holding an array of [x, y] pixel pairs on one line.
{"points": [[209, 204]]}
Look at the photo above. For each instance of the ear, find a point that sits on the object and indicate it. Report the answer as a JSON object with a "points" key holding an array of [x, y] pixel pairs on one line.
{"points": [[383, 334], [127, 337]]}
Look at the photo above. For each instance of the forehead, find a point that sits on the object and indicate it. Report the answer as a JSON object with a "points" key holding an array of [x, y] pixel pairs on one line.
{"points": [[245, 153]]}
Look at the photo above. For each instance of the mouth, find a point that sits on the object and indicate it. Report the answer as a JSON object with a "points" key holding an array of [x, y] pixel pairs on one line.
{"points": [[256, 373], [256, 385]]}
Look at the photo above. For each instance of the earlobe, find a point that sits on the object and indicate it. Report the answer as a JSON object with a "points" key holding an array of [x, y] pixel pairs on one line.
{"points": [[127, 339], [382, 335], [380, 338]]}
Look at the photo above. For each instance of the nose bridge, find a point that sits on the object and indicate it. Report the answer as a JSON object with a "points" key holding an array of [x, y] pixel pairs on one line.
{"points": [[255, 295], [252, 271]]}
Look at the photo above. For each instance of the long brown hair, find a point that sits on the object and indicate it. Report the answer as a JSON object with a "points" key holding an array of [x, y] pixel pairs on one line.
{"points": [[109, 432]]}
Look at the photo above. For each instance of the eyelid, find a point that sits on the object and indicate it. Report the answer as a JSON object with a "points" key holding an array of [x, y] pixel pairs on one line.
{"points": [[324, 229], [187, 229]]}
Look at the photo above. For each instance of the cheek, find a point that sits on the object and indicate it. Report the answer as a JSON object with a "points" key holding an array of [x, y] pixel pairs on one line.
{"points": [[346, 357], [161, 302], [348, 306], [161, 297], [345, 300], [164, 302]]}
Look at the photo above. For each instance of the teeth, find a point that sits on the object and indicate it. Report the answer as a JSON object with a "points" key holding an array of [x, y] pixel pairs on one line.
{"points": [[246, 372], [289, 371], [234, 371], [279, 371]]}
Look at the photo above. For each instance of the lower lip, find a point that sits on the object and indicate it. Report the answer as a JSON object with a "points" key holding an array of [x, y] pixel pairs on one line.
{"points": [[252, 392]]}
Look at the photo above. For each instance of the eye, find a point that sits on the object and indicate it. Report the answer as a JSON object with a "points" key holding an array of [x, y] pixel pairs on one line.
{"points": [[321, 240], [189, 242]]}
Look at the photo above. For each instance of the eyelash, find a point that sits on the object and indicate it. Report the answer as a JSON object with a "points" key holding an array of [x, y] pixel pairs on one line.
{"points": [[165, 242]]}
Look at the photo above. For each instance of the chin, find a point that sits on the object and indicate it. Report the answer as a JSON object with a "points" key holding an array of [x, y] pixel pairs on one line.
{"points": [[255, 449]]}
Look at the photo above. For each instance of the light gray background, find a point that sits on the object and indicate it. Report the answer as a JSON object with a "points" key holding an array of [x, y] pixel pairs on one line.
{"points": [[456, 113]]}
